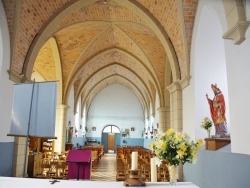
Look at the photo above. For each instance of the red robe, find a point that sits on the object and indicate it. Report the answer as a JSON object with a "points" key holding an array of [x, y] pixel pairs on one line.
{"points": [[218, 109]]}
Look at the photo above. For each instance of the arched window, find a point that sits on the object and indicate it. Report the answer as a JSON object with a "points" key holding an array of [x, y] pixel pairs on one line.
{"points": [[111, 129]]}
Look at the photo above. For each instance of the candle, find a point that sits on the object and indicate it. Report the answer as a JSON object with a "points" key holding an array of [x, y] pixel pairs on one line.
{"points": [[153, 170], [134, 162]]}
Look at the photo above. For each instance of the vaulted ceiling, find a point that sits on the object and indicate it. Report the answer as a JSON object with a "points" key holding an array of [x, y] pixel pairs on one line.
{"points": [[90, 44]]}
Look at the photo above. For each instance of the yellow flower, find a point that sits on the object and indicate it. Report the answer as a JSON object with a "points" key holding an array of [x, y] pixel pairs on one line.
{"points": [[157, 152], [180, 153], [161, 145], [177, 136], [151, 145], [199, 143], [169, 131], [183, 147]]}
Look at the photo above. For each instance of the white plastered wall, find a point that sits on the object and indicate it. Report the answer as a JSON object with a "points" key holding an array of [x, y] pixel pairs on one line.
{"points": [[238, 67], [116, 105], [236, 73], [6, 86], [208, 66]]}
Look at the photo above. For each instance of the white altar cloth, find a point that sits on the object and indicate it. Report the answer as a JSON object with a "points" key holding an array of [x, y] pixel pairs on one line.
{"points": [[13, 182]]}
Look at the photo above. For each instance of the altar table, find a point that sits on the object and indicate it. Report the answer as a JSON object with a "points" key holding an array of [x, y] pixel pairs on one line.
{"points": [[12, 182]]}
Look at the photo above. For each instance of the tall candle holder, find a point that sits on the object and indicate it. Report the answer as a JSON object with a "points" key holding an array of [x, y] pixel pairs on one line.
{"points": [[134, 179]]}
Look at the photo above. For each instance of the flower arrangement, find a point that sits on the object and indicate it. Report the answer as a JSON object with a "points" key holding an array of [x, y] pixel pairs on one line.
{"points": [[206, 124], [175, 148]]}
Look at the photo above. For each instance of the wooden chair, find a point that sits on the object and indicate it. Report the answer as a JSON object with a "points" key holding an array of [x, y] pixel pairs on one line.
{"points": [[121, 173], [53, 170], [145, 172], [162, 173], [45, 166], [62, 170]]}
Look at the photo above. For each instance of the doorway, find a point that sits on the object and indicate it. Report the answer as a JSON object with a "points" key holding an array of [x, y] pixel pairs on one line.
{"points": [[110, 138], [111, 142]]}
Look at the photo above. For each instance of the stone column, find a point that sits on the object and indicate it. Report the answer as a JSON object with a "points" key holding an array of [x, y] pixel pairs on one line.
{"points": [[175, 106], [60, 129], [164, 118], [19, 158], [175, 91]]}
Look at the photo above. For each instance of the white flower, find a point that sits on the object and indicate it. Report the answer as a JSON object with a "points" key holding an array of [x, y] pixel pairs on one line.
{"points": [[157, 161]]}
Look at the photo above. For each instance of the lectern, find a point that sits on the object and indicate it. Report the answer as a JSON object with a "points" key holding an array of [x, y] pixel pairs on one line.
{"points": [[79, 164]]}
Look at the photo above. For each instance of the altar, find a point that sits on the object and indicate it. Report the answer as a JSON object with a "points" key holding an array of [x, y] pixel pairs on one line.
{"points": [[13, 182]]}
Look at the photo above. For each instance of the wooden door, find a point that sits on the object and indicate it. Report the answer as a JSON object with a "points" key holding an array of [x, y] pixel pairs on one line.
{"points": [[111, 141]]}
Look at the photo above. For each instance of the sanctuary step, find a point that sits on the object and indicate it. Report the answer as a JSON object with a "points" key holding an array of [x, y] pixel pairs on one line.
{"points": [[216, 143]]}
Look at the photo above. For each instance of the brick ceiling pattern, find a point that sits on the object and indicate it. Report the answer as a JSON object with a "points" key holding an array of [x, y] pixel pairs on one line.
{"points": [[45, 63], [96, 36]]}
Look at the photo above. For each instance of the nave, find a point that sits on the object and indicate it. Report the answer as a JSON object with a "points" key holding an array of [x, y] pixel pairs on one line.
{"points": [[105, 170]]}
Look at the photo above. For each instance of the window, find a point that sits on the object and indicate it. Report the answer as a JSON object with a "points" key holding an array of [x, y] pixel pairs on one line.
{"points": [[111, 129]]}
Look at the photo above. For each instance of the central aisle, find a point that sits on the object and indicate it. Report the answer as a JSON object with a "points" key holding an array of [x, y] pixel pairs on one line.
{"points": [[105, 170]]}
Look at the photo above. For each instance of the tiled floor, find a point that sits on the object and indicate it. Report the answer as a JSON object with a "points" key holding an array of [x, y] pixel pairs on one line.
{"points": [[106, 169]]}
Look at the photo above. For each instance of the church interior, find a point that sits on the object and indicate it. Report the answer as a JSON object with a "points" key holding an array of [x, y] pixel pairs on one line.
{"points": [[125, 70]]}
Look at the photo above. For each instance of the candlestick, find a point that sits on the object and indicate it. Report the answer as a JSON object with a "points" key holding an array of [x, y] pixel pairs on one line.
{"points": [[134, 162], [153, 170]]}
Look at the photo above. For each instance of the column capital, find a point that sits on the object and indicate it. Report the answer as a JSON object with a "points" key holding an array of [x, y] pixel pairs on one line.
{"points": [[174, 87], [179, 84], [62, 106], [185, 82], [163, 109], [237, 23], [17, 78]]}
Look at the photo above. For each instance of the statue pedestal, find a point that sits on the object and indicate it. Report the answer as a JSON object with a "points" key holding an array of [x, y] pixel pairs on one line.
{"points": [[69, 146], [216, 143]]}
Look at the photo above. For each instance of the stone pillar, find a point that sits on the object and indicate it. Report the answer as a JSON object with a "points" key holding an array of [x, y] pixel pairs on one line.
{"points": [[19, 158], [175, 92], [164, 118], [60, 129]]}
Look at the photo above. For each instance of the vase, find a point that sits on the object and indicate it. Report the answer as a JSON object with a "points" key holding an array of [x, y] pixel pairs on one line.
{"points": [[173, 174], [208, 133]]}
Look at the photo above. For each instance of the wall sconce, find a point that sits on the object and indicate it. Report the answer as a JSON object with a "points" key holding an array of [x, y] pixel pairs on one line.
{"points": [[93, 128], [132, 129]]}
